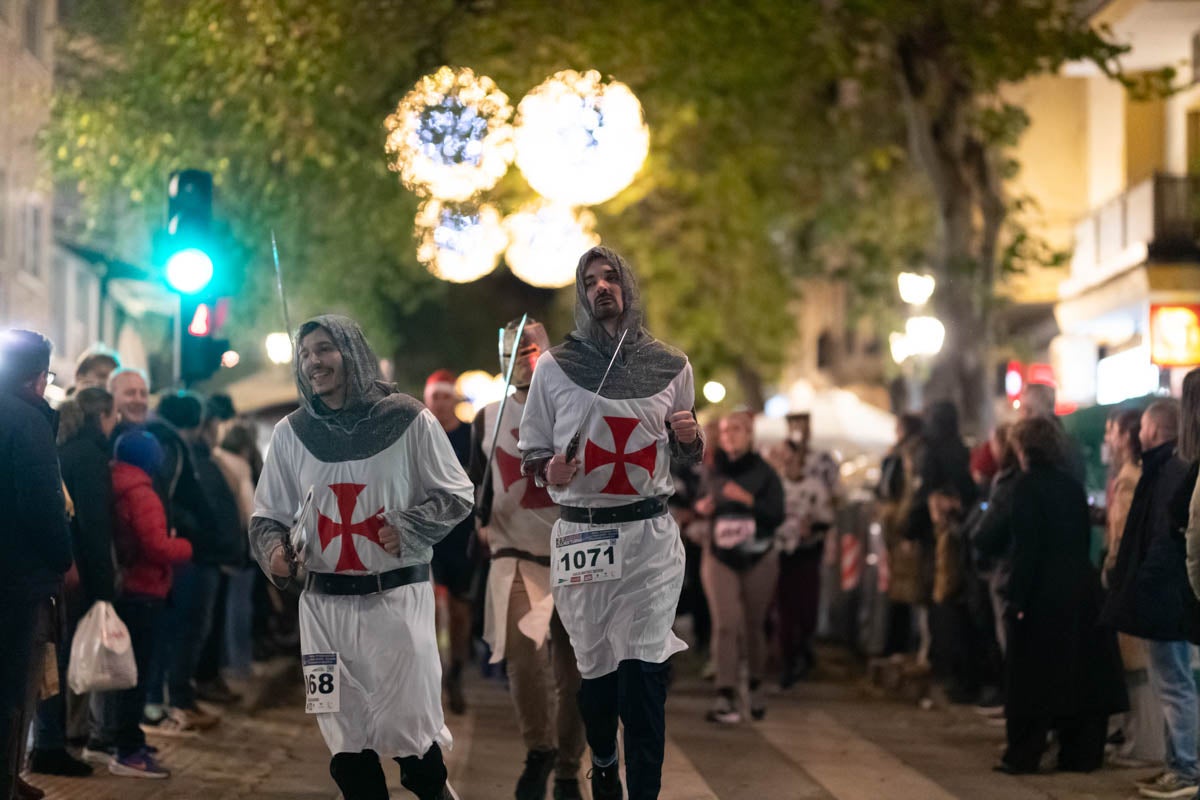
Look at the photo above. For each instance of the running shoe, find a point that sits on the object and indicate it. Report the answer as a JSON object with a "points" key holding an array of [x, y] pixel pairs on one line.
{"points": [[138, 765], [724, 712], [1169, 785]]}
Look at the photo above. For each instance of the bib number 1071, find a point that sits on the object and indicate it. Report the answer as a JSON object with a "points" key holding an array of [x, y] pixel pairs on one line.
{"points": [[586, 556], [579, 559]]}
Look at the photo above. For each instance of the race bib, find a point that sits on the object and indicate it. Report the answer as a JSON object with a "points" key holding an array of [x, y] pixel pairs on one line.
{"points": [[586, 557], [322, 683], [729, 533]]}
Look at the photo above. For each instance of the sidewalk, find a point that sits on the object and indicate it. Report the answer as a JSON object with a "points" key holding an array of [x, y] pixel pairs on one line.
{"points": [[274, 752]]}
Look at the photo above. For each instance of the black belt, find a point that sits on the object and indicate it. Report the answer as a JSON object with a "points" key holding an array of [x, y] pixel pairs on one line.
{"points": [[646, 508], [333, 583], [512, 552]]}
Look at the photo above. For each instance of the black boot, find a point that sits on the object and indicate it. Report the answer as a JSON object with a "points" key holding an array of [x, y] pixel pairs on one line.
{"points": [[606, 782], [58, 762], [425, 776], [538, 766]]}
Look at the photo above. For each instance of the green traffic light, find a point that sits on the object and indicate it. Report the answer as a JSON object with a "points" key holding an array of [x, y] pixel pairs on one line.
{"points": [[189, 270]]}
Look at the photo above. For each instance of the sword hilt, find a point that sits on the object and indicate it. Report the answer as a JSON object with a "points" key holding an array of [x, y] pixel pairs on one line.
{"points": [[572, 447]]}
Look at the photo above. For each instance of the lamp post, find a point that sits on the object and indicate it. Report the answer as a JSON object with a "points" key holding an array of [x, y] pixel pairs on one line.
{"points": [[923, 335]]}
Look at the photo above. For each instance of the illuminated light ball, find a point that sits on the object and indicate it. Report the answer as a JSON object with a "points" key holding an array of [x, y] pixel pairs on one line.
{"points": [[543, 238], [714, 391], [450, 137], [279, 347], [925, 335], [189, 270], [459, 243], [777, 406], [473, 384], [580, 140], [230, 359]]}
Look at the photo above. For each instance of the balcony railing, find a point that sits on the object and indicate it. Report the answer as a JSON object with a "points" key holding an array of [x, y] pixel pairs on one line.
{"points": [[1157, 219]]}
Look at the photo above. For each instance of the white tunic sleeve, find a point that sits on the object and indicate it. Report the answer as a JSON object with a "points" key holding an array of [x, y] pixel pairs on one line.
{"points": [[443, 495], [276, 499]]}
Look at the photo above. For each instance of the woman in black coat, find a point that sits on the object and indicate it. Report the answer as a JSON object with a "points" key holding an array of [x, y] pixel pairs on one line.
{"points": [[1064, 671]]}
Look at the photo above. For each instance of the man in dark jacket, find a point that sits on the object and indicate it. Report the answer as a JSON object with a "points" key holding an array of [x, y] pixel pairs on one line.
{"points": [[1150, 598], [36, 539]]}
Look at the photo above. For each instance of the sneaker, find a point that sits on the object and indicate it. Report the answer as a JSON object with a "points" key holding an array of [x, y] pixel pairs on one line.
{"points": [[758, 701], [1169, 785], [724, 712], [138, 765], [567, 789], [195, 717], [98, 754], [169, 725], [606, 782], [538, 766], [58, 762]]}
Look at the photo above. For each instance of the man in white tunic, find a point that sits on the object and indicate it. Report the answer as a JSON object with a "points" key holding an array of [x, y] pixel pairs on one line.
{"points": [[616, 560], [385, 487], [520, 624]]}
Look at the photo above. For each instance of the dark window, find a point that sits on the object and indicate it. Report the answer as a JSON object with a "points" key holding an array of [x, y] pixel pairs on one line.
{"points": [[825, 350]]}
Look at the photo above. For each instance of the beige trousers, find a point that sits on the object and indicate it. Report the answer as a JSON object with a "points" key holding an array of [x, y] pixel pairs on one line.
{"points": [[544, 683], [739, 602]]}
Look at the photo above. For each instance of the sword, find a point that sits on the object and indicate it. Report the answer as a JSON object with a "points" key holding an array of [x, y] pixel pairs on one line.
{"points": [[512, 362], [573, 445], [287, 322]]}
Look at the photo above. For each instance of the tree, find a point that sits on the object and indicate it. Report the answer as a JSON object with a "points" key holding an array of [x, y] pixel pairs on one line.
{"points": [[949, 60], [746, 186]]}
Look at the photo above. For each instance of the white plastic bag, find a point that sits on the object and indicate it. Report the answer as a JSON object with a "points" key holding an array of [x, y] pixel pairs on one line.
{"points": [[101, 653]]}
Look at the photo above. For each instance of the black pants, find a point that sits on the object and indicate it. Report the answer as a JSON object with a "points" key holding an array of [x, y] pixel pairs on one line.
{"points": [[360, 776], [24, 619], [1081, 741], [637, 694]]}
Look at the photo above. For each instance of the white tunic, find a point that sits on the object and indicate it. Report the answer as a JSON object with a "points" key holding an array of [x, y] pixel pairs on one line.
{"points": [[624, 455], [522, 516], [386, 643]]}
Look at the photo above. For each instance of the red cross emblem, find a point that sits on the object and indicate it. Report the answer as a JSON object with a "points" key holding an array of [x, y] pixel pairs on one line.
{"points": [[510, 472], [347, 500], [595, 456]]}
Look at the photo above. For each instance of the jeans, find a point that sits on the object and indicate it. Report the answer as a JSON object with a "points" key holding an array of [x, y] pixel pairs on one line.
{"points": [[239, 617], [121, 710], [183, 629], [637, 693], [1173, 682]]}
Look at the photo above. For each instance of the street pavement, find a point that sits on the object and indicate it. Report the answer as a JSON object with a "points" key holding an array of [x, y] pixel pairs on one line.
{"points": [[830, 739]]}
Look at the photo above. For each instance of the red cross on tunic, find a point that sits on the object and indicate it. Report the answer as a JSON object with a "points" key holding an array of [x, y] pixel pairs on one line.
{"points": [[509, 465], [595, 456], [347, 500]]}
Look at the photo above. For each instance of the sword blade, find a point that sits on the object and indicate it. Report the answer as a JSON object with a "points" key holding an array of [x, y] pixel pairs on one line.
{"points": [[573, 445]]}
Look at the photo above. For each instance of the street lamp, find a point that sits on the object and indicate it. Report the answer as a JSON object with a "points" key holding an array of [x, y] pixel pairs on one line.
{"points": [[279, 348], [925, 335], [714, 391]]}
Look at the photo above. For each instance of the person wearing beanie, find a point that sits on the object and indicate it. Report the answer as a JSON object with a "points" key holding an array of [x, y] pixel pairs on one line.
{"points": [[36, 540], [453, 557], [146, 552]]}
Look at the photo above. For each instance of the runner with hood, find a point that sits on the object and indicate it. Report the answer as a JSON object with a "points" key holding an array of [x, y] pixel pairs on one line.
{"points": [[385, 487], [617, 561], [520, 623]]}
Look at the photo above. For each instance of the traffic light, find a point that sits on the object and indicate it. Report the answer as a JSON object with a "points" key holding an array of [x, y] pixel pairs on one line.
{"points": [[200, 351], [188, 250]]}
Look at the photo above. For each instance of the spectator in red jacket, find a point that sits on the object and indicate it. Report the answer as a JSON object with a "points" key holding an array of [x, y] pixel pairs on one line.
{"points": [[146, 550]]}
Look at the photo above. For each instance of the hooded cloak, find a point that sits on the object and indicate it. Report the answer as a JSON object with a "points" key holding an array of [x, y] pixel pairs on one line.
{"points": [[644, 367], [375, 413]]}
